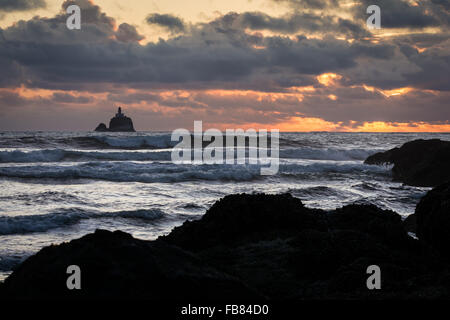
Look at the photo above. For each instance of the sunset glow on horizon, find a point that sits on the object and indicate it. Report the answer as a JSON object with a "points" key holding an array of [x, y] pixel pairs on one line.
{"points": [[290, 65]]}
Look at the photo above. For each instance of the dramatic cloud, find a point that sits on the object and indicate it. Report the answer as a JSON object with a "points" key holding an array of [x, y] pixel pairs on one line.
{"points": [[250, 67], [21, 5], [168, 21], [400, 13], [313, 4], [128, 33], [293, 23]]}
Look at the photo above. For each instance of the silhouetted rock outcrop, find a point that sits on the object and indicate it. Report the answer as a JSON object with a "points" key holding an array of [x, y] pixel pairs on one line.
{"points": [[102, 128], [115, 265], [120, 123], [410, 223], [419, 163], [254, 247], [241, 218], [433, 218], [292, 252]]}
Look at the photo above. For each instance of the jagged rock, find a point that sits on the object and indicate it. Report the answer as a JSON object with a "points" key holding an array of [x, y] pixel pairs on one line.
{"points": [[309, 254], [419, 163], [120, 123], [102, 128], [115, 265], [410, 223], [243, 217], [385, 225], [247, 246], [433, 218]]}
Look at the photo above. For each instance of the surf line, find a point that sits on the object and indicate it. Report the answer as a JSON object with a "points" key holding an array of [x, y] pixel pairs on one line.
{"points": [[194, 152]]}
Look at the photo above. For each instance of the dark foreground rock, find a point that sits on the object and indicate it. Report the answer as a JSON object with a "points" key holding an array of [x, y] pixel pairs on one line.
{"points": [[418, 163], [246, 247], [298, 253], [433, 218], [115, 265]]}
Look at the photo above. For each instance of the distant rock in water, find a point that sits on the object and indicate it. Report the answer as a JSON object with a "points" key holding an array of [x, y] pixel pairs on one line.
{"points": [[102, 127], [120, 123], [424, 163]]}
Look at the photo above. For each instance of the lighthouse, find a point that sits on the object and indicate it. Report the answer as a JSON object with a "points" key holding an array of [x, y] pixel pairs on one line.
{"points": [[120, 123]]}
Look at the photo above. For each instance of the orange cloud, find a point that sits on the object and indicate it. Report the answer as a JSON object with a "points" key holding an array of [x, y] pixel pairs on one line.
{"points": [[389, 93], [328, 79]]}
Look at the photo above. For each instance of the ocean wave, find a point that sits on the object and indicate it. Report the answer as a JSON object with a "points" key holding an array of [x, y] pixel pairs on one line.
{"points": [[94, 141], [134, 172], [168, 172], [327, 154], [67, 217], [58, 155], [331, 168], [7, 263], [315, 191], [141, 142]]}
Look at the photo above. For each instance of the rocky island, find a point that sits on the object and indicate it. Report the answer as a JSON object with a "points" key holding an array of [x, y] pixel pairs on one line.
{"points": [[120, 123]]}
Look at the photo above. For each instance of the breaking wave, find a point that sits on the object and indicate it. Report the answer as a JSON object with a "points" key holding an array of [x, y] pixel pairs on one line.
{"points": [[60, 155], [154, 141], [168, 172], [66, 217]]}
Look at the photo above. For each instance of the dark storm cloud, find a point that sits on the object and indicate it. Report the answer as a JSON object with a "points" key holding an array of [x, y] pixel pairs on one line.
{"points": [[21, 5], [207, 55], [423, 40], [399, 13], [218, 54], [435, 69], [96, 27], [360, 105], [68, 98], [51, 56], [292, 23], [445, 4], [128, 33], [168, 21], [312, 4], [91, 13], [221, 54]]}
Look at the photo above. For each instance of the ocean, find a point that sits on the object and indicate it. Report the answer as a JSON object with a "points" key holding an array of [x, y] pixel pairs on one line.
{"points": [[57, 186]]}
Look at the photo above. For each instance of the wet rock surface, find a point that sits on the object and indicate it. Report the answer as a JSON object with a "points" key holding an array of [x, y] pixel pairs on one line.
{"points": [[423, 163]]}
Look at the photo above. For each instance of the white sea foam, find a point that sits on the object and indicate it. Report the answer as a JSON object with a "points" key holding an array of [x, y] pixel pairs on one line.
{"points": [[58, 155], [327, 153], [167, 172], [156, 142]]}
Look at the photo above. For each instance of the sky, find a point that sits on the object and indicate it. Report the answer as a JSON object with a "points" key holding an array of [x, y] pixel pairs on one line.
{"points": [[292, 65]]}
